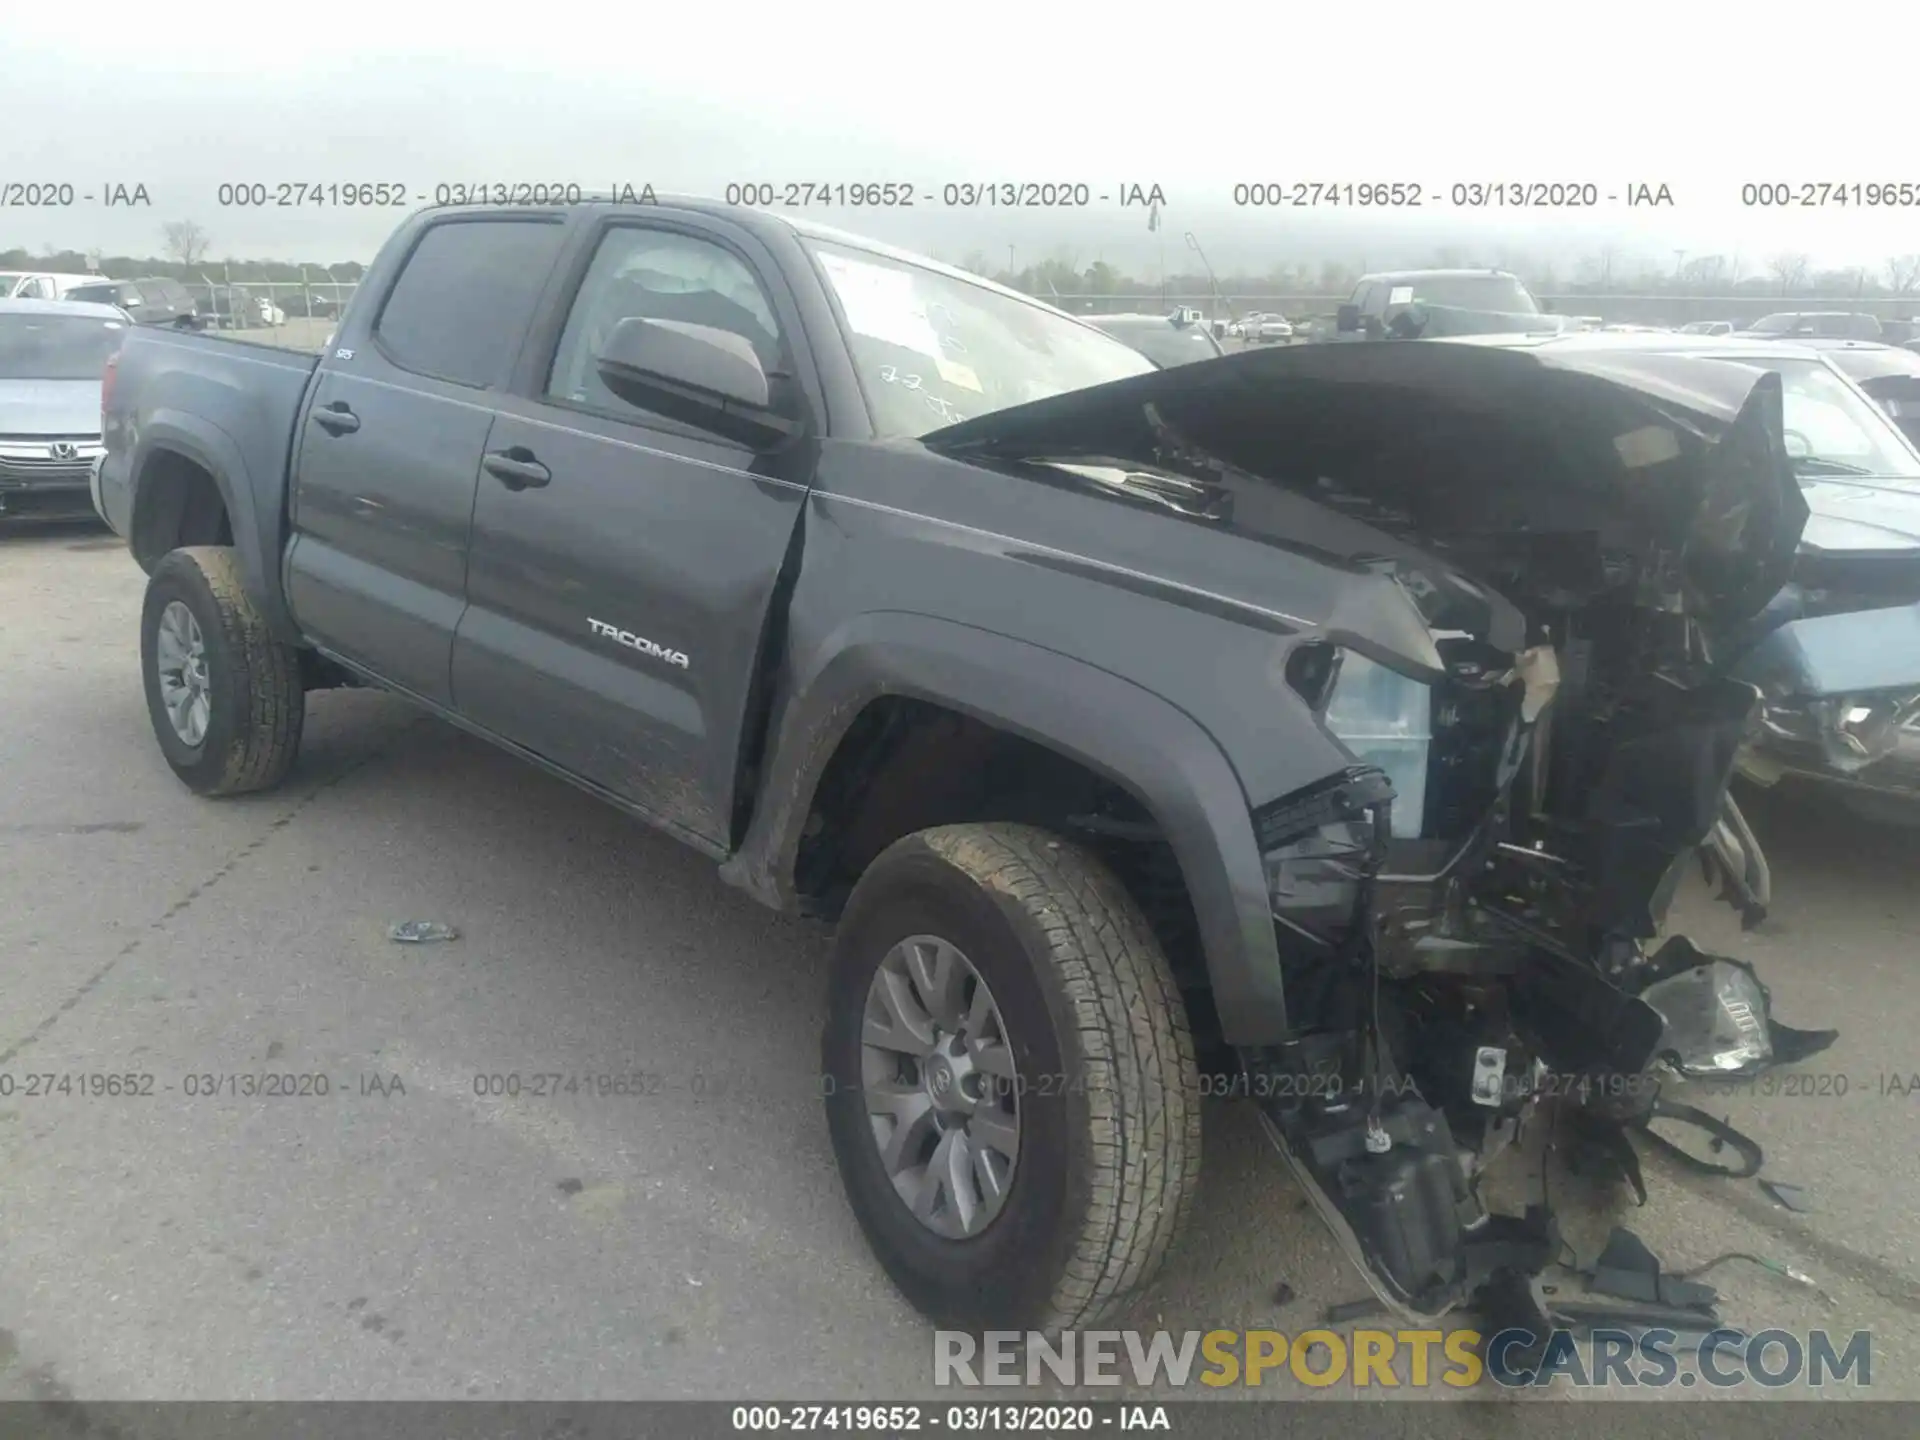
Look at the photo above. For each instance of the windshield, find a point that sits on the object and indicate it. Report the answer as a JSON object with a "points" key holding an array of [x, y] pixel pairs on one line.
{"points": [[10, 281], [1875, 364], [1499, 293], [932, 350], [56, 347], [1166, 345], [98, 294], [1832, 429]]}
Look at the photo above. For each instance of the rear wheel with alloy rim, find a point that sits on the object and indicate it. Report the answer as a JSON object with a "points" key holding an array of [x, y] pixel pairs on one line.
{"points": [[180, 665], [1011, 1088], [225, 697]]}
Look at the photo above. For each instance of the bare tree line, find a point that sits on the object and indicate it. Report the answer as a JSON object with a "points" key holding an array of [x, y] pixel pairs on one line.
{"points": [[186, 245]]}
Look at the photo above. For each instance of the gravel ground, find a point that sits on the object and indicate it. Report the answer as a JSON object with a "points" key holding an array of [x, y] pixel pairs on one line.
{"points": [[405, 1237]]}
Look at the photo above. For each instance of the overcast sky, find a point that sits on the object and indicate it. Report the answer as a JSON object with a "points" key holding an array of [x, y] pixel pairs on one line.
{"points": [[1194, 97]]}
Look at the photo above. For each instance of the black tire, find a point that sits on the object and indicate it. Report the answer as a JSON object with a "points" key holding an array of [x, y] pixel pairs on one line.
{"points": [[1110, 1097], [257, 702]]}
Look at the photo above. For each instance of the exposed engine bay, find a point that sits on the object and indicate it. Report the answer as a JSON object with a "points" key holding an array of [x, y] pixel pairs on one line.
{"points": [[1541, 730]]}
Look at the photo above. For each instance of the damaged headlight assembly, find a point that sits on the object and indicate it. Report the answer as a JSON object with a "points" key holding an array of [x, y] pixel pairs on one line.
{"points": [[1318, 849]]}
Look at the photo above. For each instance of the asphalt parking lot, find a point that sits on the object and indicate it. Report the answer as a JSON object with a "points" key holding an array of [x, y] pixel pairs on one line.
{"points": [[404, 1236]]}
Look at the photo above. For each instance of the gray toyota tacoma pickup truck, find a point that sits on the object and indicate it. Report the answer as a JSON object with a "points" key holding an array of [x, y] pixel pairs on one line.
{"points": [[1339, 717]]}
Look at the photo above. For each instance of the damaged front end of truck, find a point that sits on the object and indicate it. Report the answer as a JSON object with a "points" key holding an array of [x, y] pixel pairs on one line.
{"points": [[1469, 901]]}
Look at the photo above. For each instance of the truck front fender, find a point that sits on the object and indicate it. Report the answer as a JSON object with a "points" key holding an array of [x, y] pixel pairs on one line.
{"points": [[256, 537], [1112, 726]]}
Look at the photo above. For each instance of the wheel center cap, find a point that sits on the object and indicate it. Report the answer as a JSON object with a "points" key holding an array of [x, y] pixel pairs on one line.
{"points": [[940, 1080]]}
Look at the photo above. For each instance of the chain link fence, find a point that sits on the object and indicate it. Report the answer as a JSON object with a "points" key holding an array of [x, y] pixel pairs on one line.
{"points": [[297, 314]]}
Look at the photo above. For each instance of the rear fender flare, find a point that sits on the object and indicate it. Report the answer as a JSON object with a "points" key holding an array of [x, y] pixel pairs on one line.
{"points": [[256, 544], [1109, 724]]}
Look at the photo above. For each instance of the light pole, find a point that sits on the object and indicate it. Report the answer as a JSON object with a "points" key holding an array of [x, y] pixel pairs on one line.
{"points": [[1193, 244]]}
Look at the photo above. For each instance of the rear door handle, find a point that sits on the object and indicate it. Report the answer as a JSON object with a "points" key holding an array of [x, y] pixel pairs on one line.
{"points": [[337, 418], [516, 468]]}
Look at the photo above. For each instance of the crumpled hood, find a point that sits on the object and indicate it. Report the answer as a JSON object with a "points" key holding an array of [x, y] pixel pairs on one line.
{"points": [[1861, 516], [1501, 461], [49, 407]]}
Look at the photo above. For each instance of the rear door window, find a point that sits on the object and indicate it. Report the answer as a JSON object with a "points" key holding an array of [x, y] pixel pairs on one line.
{"points": [[465, 296]]}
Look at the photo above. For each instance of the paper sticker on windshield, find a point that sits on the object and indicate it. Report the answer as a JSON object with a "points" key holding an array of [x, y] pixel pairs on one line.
{"points": [[954, 373], [1400, 295], [880, 304], [1649, 445]]}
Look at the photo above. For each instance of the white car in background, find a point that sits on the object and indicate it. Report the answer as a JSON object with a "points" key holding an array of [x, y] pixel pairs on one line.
{"points": [[1266, 329], [53, 354], [41, 284]]}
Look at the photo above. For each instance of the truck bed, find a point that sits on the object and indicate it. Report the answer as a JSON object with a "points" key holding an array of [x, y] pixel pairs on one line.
{"points": [[229, 404]]}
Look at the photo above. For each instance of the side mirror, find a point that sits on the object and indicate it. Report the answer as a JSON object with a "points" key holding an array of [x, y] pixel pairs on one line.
{"points": [[711, 379], [1546, 307], [1346, 318]]}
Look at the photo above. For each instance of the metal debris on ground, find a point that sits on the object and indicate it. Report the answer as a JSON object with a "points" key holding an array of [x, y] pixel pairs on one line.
{"points": [[1794, 1197], [1785, 1272], [421, 932]]}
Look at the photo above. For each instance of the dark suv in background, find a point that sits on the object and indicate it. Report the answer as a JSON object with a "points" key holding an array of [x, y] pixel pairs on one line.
{"points": [[1814, 325], [157, 301]]}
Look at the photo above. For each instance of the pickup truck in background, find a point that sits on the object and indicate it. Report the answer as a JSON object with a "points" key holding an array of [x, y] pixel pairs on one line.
{"points": [[1121, 719], [1428, 304]]}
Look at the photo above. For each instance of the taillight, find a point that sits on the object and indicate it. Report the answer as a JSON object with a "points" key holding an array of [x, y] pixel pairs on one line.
{"points": [[106, 388]]}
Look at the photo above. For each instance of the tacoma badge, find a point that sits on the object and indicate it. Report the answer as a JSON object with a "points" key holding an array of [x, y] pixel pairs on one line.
{"points": [[638, 642]]}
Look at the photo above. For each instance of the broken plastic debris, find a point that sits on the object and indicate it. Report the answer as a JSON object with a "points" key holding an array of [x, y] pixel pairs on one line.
{"points": [[1716, 1020], [421, 932]]}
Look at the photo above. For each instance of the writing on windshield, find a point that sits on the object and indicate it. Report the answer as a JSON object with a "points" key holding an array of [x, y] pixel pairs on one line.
{"points": [[1498, 293]]}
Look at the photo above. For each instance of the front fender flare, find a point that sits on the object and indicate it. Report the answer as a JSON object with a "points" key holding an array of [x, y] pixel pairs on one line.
{"points": [[1111, 725]]}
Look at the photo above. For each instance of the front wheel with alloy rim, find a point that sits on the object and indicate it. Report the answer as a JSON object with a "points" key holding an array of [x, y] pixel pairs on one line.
{"points": [[1011, 1088], [225, 697]]}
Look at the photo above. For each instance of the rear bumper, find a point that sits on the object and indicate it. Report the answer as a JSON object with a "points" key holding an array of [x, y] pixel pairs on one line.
{"points": [[107, 486]]}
